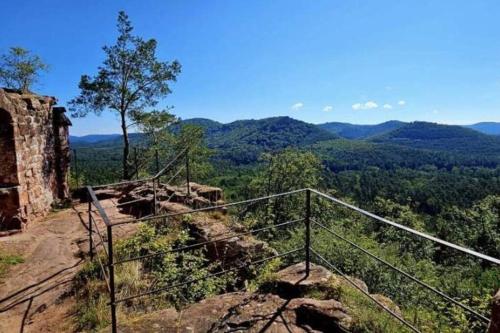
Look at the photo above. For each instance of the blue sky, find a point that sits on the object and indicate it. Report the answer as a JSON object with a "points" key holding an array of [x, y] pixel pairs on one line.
{"points": [[352, 61]]}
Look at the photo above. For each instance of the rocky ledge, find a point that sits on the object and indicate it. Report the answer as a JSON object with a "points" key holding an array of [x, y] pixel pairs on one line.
{"points": [[283, 305]]}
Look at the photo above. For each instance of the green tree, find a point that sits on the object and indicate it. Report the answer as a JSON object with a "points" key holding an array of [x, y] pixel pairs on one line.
{"points": [[130, 80], [155, 125], [20, 69], [286, 171]]}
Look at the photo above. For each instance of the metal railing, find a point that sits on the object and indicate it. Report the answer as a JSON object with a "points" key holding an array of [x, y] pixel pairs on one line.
{"points": [[308, 250]]}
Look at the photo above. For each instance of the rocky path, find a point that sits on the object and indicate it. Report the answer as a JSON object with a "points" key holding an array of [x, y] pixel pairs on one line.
{"points": [[31, 295]]}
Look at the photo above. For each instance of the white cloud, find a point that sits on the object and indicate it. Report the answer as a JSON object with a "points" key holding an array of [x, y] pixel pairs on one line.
{"points": [[328, 108], [365, 106], [297, 106], [402, 103], [387, 106]]}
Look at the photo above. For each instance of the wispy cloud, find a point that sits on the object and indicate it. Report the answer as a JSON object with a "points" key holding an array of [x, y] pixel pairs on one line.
{"points": [[297, 106], [328, 108], [402, 103], [365, 106], [387, 106]]}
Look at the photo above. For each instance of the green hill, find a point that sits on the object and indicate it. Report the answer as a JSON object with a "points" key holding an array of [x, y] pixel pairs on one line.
{"points": [[352, 131], [444, 138], [243, 141], [491, 128]]}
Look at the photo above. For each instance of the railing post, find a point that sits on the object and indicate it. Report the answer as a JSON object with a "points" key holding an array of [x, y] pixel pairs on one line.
{"points": [[308, 232], [76, 169], [187, 173], [136, 164], [91, 243], [111, 271], [155, 210], [157, 159]]}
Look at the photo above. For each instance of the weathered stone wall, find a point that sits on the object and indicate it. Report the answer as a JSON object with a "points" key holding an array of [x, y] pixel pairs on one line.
{"points": [[41, 150]]}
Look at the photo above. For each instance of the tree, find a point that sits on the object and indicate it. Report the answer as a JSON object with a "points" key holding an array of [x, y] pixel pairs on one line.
{"points": [[20, 69], [286, 171], [130, 80], [155, 125]]}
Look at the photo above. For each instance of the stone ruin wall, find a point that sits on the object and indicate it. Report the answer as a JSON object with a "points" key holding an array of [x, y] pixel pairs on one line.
{"points": [[38, 176]]}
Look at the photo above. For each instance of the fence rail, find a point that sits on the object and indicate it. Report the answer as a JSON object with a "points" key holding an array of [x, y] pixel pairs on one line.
{"points": [[308, 250]]}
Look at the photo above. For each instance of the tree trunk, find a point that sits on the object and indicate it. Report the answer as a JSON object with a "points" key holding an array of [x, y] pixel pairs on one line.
{"points": [[126, 149]]}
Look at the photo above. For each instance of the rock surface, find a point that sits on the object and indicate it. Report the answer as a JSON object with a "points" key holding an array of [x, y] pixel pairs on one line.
{"points": [[242, 311], [292, 281]]}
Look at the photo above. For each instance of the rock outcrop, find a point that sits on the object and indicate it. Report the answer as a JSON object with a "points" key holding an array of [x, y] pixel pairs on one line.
{"points": [[247, 312]]}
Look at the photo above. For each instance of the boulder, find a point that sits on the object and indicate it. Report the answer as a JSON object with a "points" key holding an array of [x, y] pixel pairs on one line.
{"points": [[292, 281], [230, 251]]}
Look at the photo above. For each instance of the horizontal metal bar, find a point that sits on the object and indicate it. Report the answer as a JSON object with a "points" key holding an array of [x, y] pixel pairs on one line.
{"points": [[410, 230], [392, 313], [192, 246], [256, 262], [421, 283], [97, 205], [204, 209]]}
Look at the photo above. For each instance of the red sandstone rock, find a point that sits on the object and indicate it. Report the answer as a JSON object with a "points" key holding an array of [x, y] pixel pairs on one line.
{"points": [[35, 155], [235, 312]]}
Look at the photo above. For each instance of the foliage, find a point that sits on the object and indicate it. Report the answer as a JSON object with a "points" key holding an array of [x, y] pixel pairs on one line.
{"points": [[155, 125], [130, 80], [20, 69], [283, 172], [156, 272], [7, 260]]}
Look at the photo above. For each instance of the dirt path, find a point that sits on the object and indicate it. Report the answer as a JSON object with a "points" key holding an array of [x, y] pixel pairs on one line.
{"points": [[31, 295], [35, 296]]}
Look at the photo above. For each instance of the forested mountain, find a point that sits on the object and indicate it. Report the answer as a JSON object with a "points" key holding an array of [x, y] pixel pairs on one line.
{"points": [[243, 141], [352, 131], [445, 138], [486, 128]]}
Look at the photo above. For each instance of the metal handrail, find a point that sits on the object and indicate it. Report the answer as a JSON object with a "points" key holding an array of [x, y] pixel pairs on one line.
{"points": [[410, 230], [414, 279], [256, 262], [307, 248], [204, 209], [200, 244], [385, 308], [162, 171]]}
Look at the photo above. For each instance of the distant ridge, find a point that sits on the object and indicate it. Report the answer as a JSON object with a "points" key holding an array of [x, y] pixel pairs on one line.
{"points": [[491, 128], [213, 129], [93, 138], [352, 131], [449, 138]]}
